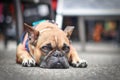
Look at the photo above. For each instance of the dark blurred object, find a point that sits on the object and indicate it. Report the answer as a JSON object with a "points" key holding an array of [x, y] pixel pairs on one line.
{"points": [[118, 38], [35, 10], [22, 11], [89, 29], [6, 1], [6, 23]]}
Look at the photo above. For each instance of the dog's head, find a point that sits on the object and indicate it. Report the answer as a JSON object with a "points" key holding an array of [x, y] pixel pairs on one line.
{"points": [[51, 45]]}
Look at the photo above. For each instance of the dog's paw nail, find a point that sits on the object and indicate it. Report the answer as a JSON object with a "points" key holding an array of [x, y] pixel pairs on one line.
{"points": [[81, 64], [73, 64], [28, 62]]}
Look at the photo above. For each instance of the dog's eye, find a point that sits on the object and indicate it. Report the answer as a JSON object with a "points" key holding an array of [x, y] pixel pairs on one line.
{"points": [[66, 48], [46, 49]]}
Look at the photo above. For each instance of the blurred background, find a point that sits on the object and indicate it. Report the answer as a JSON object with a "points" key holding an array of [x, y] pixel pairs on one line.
{"points": [[96, 36], [97, 23], [14, 13]]}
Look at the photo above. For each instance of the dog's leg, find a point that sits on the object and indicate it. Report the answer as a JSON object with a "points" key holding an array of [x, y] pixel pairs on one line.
{"points": [[37, 55], [74, 59], [23, 57]]}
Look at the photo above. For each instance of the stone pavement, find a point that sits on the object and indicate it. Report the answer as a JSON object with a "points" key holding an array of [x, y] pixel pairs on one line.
{"points": [[101, 66]]}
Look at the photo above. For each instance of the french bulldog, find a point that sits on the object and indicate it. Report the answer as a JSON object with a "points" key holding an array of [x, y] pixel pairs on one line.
{"points": [[48, 46]]}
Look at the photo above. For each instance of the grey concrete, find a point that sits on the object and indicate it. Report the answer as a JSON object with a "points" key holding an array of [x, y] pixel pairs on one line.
{"points": [[101, 66]]}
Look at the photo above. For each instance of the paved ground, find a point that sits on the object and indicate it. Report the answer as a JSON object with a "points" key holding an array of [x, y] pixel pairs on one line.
{"points": [[101, 66]]}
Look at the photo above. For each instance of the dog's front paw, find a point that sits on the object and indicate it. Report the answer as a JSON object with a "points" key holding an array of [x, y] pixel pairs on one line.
{"points": [[79, 64], [29, 62]]}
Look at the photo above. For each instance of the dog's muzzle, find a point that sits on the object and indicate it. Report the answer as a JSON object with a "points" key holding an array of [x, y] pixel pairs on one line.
{"points": [[55, 59]]}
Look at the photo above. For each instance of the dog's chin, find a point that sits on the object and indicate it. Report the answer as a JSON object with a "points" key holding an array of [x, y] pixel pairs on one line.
{"points": [[55, 63]]}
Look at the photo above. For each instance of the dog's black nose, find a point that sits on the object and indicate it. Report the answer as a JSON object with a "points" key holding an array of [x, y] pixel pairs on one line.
{"points": [[58, 54]]}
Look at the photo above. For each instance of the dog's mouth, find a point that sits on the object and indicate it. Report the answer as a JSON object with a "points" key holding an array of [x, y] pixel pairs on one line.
{"points": [[55, 59], [53, 62], [57, 65]]}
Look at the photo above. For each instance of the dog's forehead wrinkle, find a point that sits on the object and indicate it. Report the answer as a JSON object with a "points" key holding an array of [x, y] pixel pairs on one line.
{"points": [[55, 37], [59, 41]]}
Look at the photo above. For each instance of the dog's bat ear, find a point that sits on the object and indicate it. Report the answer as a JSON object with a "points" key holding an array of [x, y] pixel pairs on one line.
{"points": [[68, 30], [32, 33]]}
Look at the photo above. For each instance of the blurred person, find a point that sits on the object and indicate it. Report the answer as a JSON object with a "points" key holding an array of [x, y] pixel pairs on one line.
{"points": [[97, 32]]}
